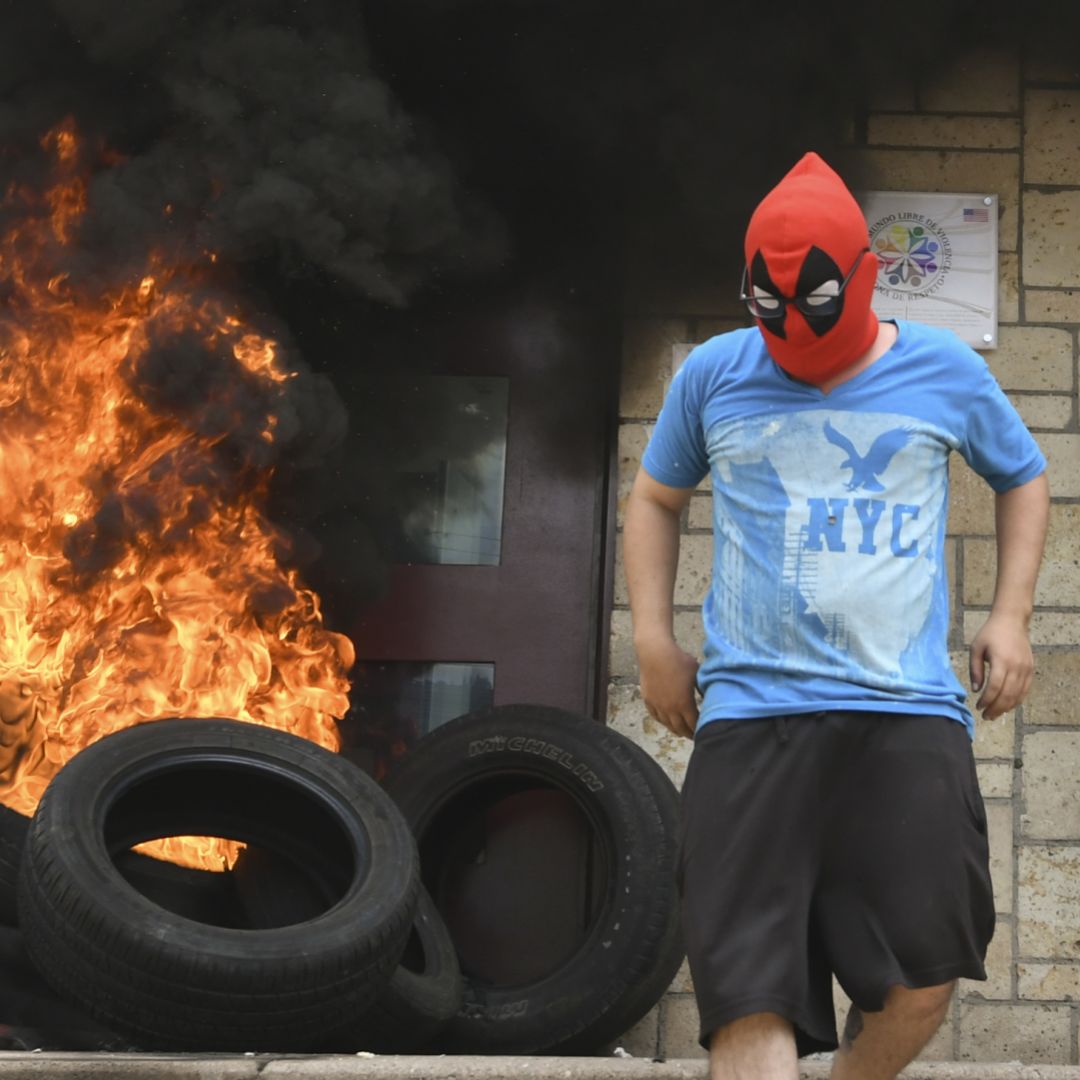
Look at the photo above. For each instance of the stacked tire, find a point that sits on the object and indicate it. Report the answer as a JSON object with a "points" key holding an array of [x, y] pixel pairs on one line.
{"points": [[629, 946], [170, 982], [331, 933]]}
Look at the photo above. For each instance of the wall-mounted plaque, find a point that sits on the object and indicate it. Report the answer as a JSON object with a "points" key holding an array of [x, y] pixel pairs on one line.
{"points": [[937, 258]]}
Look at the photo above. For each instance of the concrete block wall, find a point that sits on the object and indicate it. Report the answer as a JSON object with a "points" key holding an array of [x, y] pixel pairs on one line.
{"points": [[1006, 122]]}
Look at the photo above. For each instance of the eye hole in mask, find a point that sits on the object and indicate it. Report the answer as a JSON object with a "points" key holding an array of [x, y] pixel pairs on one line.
{"points": [[765, 304], [822, 300]]}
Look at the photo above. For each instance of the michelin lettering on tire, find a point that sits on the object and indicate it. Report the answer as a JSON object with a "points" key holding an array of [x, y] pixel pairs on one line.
{"points": [[519, 744], [508, 1011]]}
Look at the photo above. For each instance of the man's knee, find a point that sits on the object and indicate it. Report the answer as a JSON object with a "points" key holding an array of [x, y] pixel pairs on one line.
{"points": [[752, 1028], [924, 1003]]}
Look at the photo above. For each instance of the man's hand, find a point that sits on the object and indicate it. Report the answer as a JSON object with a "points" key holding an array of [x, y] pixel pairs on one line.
{"points": [[1001, 666], [1021, 516], [668, 677]]}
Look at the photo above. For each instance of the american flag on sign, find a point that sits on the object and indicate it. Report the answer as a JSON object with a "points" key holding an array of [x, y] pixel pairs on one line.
{"points": [[979, 213]]}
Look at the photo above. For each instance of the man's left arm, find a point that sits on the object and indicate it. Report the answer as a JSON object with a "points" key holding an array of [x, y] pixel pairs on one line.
{"points": [[1002, 663]]}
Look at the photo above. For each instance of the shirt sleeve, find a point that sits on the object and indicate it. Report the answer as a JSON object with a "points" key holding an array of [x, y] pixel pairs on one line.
{"points": [[676, 453], [997, 444]]}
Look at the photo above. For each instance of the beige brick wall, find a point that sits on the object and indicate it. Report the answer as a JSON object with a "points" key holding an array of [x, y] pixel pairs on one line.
{"points": [[988, 123]]}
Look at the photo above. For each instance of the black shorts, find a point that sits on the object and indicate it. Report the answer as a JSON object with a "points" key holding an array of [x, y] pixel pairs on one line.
{"points": [[846, 843]]}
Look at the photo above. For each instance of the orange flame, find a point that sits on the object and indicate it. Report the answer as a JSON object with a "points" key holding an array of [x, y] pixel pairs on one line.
{"points": [[193, 616]]}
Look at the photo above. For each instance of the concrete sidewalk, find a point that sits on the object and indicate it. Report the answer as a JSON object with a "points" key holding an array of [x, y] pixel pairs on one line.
{"points": [[17, 1065]]}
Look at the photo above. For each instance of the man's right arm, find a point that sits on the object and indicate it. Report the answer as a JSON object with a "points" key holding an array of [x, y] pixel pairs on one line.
{"points": [[651, 558]]}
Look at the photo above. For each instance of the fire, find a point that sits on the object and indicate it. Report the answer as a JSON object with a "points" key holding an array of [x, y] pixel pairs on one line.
{"points": [[135, 583]]}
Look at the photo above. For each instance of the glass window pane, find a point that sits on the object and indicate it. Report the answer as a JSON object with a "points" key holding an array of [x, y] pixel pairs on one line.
{"points": [[451, 464], [396, 703]]}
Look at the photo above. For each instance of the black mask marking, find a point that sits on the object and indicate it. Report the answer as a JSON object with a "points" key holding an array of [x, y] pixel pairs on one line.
{"points": [[759, 277], [818, 268]]}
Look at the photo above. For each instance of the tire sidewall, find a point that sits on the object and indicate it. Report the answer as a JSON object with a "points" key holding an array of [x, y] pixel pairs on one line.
{"points": [[608, 780], [67, 830]]}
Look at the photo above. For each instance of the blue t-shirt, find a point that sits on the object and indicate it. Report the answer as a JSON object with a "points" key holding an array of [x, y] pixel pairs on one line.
{"points": [[829, 585]]}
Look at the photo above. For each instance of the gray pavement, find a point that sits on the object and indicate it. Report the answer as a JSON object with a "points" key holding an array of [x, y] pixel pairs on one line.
{"points": [[102, 1066]]}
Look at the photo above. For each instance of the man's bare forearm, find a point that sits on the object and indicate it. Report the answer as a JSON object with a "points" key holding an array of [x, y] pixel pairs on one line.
{"points": [[1001, 660], [1021, 515], [651, 559]]}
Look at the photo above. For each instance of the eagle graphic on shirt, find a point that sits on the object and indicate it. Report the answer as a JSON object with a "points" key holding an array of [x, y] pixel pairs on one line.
{"points": [[866, 469]]}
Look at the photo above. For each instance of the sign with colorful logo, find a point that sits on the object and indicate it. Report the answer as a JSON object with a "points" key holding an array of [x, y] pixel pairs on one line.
{"points": [[937, 260]]}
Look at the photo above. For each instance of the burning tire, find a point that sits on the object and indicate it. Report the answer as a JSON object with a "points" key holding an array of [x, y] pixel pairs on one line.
{"points": [[173, 983], [490, 788]]}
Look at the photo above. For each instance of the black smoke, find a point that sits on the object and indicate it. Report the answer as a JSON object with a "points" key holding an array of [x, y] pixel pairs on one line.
{"points": [[661, 124], [388, 146], [255, 147], [259, 131], [342, 160]]}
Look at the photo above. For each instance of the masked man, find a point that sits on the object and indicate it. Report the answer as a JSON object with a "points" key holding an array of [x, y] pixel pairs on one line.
{"points": [[833, 823]]}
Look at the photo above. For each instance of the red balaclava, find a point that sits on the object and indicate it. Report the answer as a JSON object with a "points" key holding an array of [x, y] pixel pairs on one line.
{"points": [[806, 231]]}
